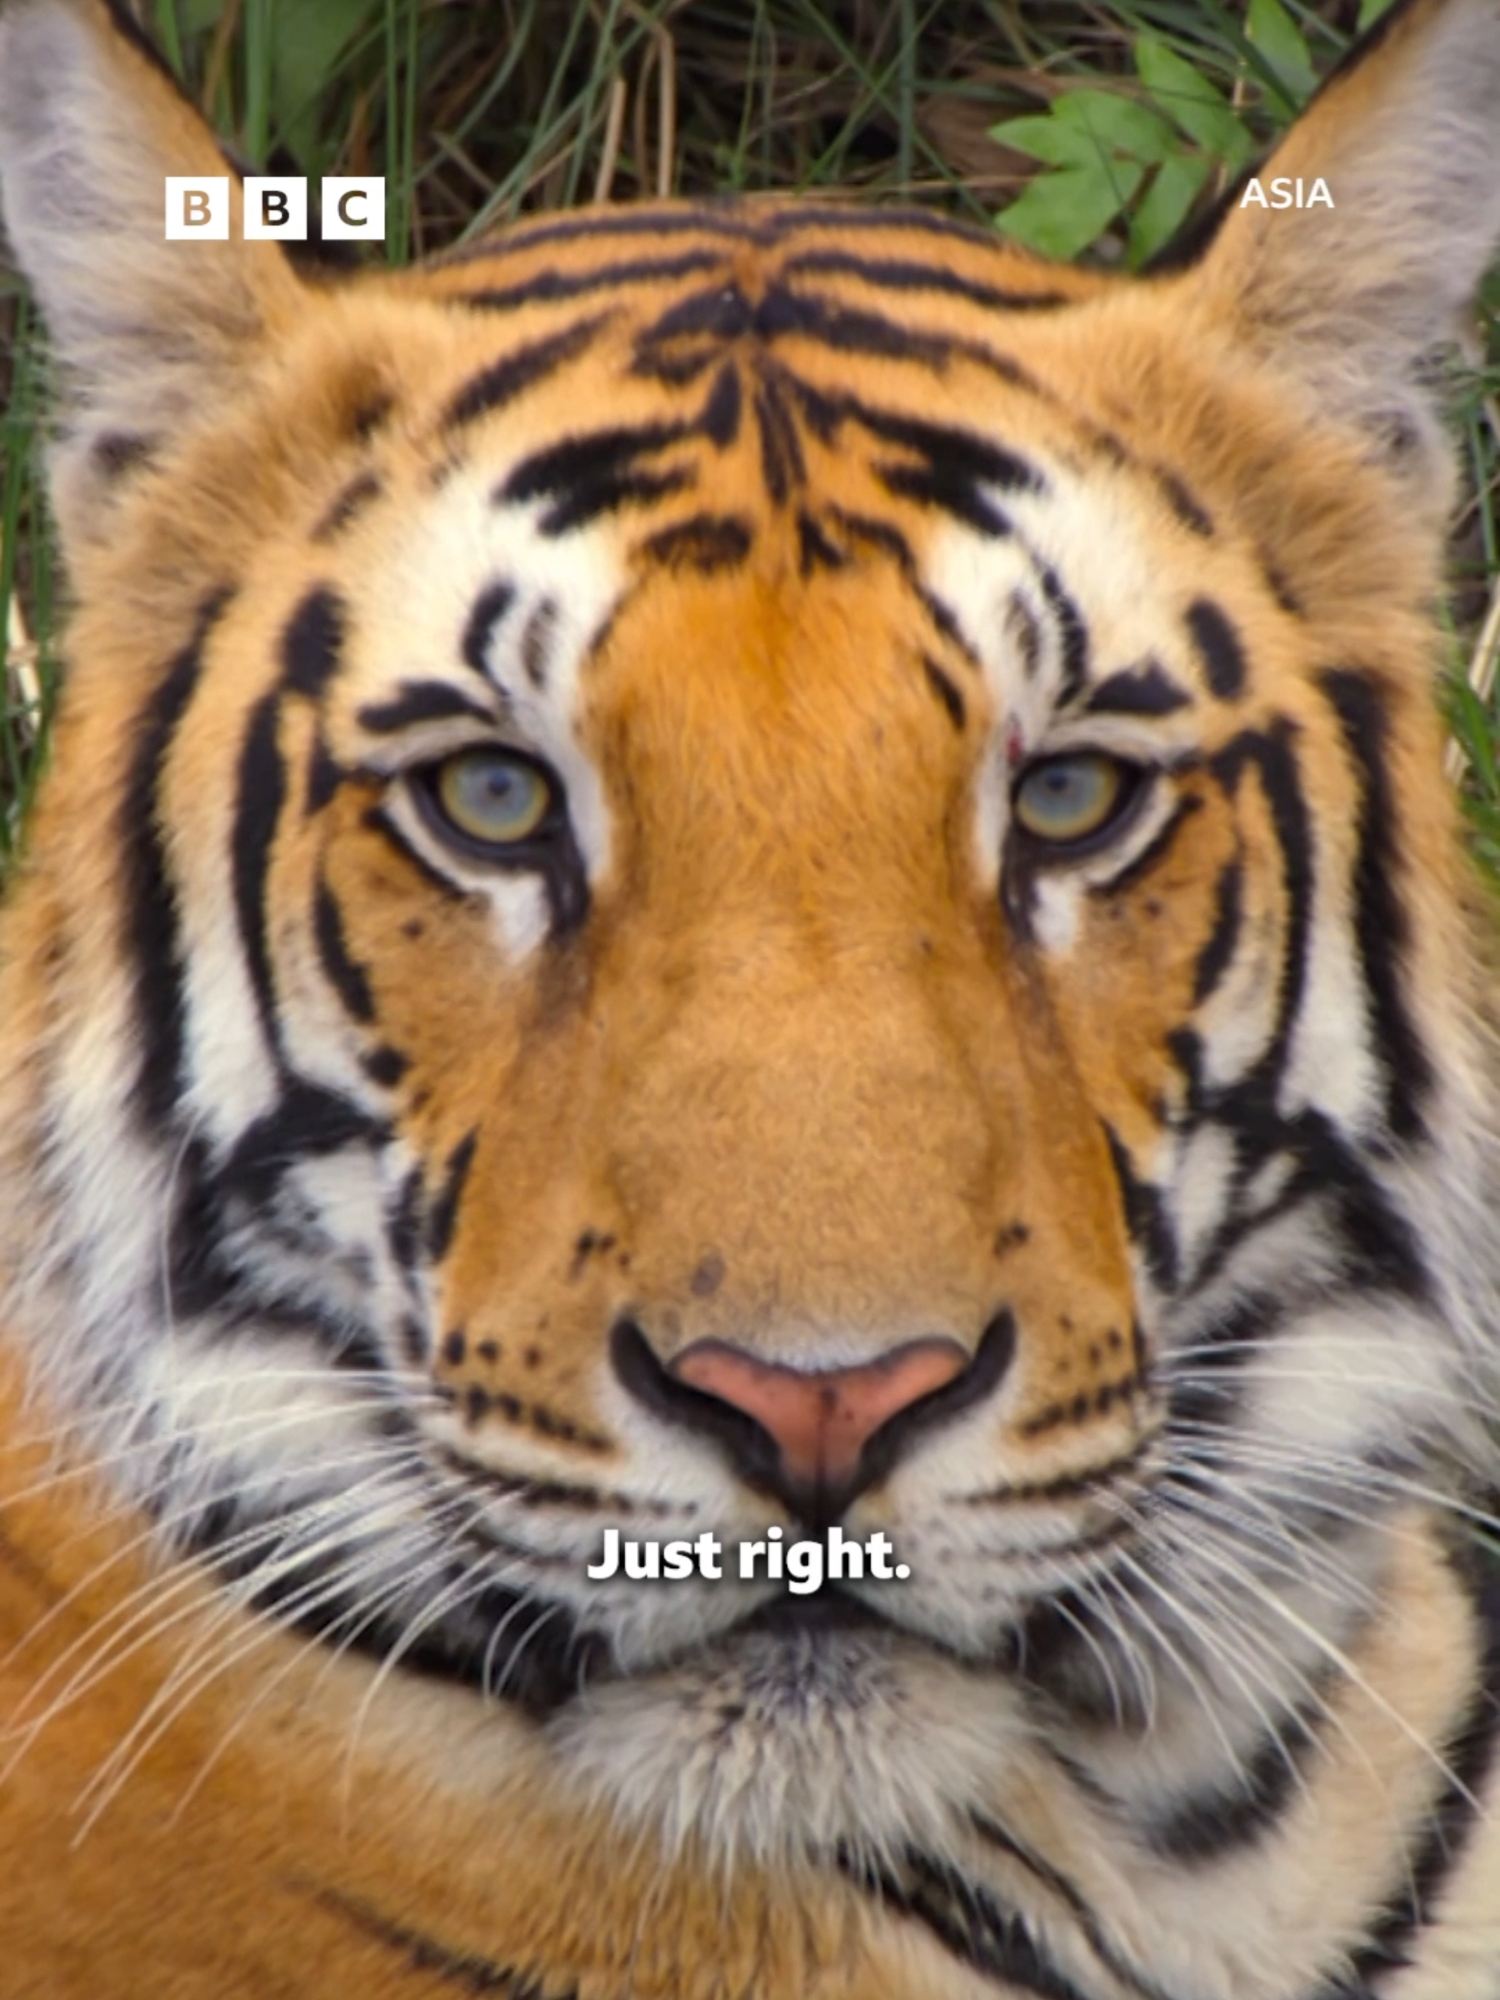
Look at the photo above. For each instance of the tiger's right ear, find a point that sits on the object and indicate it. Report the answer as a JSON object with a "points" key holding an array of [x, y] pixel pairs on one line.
{"points": [[147, 334]]}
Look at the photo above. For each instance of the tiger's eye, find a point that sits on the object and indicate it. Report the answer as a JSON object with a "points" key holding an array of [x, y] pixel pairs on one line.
{"points": [[492, 795], [1064, 799]]}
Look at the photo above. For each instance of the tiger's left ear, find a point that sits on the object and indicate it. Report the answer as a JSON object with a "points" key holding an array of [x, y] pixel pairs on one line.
{"points": [[149, 336], [1358, 298]]}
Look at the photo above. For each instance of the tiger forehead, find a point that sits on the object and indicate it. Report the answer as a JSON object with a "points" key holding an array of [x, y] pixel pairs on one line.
{"points": [[688, 327]]}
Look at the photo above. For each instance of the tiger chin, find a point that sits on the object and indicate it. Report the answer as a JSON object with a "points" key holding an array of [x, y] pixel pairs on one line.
{"points": [[725, 871]]}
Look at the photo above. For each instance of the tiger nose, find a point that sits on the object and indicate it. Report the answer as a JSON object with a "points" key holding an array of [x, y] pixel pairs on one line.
{"points": [[820, 1419]]}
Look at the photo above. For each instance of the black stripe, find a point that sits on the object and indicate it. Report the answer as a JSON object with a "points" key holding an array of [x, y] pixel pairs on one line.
{"points": [[350, 503], [782, 465], [720, 420], [1382, 1251], [1183, 503], [307, 1123], [536, 641], [312, 642], [974, 1925], [584, 224], [384, 1065], [1271, 755], [1381, 924], [402, 1221], [1394, 1938], [1070, 1655], [730, 220], [1383, 1248], [706, 543], [502, 381], [864, 530], [1145, 690], [547, 287], [370, 414], [943, 687], [1208, 1825], [906, 275], [1071, 1895], [443, 1215], [151, 930], [945, 487], [470, 1972], [489, 607], [117, 453], [1213, 960], [1023, 626], [798, 217], [814, 550], [1074, 633], [324, 776], [582, 466], [345, 975], [949, 449], [825, 412], [720, 313], [547, 1667], [1280, 587], [1224, 1347], [784, 313], [421, 701], [1219, 648], [260, 793], [1146, 1219], [566, 883]]}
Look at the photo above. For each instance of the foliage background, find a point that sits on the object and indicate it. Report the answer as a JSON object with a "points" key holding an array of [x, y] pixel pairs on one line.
{"points": [[1093, 128]]}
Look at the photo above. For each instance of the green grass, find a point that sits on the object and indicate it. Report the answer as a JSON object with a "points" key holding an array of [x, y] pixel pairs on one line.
{"points": [[481, 112]]}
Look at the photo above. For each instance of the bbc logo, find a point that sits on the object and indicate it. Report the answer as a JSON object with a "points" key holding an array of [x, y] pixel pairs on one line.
{"points": [[353, 208]]}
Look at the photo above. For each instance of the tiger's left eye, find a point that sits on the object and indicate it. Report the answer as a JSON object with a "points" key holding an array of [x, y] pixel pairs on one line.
{"points": [[492, 795], [1063, 800]]}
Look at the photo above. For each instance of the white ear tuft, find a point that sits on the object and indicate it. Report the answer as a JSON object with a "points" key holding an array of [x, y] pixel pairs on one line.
{"points": [[144, 330], [1358, 298]]}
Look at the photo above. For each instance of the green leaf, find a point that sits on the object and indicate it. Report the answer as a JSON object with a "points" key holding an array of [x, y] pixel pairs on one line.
{"points": [[1370, 12], [1046, 138], [1279, 40], [1187, 97], [1061, 213], [310, 36], [1164, 206], [1473, 728], [1117, 125], [196, 17]]}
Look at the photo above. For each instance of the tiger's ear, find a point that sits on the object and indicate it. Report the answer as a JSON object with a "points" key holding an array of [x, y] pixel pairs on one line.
{"points": [[1361, 296], [147, 334]]}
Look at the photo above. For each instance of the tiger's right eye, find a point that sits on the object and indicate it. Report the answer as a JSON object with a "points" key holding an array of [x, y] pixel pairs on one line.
{"points": [[496, 798]]}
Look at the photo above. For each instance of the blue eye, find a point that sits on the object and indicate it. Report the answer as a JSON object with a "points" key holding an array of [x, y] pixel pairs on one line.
{"points": [[492, 796], [1062, 800]]}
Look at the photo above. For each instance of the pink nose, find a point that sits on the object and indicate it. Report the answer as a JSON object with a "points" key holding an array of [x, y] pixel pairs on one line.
{"points": [[820, 1418]]}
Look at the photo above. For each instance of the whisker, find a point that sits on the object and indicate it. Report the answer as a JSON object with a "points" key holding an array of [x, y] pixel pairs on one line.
{"points": [[1337, 1655], [1211, 1650], [106, 1654], [179, 1690], [357, 1617]]}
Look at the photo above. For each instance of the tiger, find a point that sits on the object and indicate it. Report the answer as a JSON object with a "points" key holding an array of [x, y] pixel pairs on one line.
{"points": [[741, 875]]}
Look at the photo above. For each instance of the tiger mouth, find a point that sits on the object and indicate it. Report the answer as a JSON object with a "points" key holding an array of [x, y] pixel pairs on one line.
{"points": [[823, 1619], [825, 1613]]}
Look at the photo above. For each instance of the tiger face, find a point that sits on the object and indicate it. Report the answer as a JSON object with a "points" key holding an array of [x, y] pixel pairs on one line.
{"points": [[721, 871]]}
